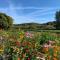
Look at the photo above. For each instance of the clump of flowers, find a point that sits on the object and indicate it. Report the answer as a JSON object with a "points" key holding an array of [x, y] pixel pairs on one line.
{"points": [[21, 35], [18, 43], [26, 46], [29, 35], [51, 49]]}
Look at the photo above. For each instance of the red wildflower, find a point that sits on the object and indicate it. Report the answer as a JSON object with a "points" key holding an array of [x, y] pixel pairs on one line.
{"points": [[27, 50], [18, 58], [55, 58], [28, 58], [23, 55], [17, 43]]}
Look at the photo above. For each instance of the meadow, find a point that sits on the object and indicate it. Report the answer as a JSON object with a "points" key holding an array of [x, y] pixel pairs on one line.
{"points": [[29, 30], [30, 45]]}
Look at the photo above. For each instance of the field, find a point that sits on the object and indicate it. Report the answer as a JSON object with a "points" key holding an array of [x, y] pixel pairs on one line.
{"points": [[30, 45]]}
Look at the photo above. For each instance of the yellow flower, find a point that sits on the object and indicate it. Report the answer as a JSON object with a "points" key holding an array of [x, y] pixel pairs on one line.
{"points": [[1, 48], [55, 48], [48, 57], [55, 58], [55, 54], [21, 36], [45, 49]]}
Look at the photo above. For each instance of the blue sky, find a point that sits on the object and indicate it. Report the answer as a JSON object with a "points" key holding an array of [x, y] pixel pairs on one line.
{"points": [[25, 11]]}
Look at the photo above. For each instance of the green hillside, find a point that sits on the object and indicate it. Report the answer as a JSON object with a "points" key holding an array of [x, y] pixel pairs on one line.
{"points": [[36, 26]]}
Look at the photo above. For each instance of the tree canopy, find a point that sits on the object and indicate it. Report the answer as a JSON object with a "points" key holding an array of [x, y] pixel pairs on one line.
{"points": [[6, 21], [58, 20]]}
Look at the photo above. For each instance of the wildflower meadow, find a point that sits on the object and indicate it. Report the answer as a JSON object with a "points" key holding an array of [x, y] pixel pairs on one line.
{"points": [[29, 45]]}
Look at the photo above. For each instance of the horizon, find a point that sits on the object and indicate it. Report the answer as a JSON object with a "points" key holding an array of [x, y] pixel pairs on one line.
{"points": [[36, 11], [33, 22]]}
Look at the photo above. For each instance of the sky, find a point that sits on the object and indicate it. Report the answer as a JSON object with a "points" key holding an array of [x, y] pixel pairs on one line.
{"points": [[27, 11]]}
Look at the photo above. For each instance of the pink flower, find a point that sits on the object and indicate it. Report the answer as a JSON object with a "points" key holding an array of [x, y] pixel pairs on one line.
{"points": [[45, 45], [28, 34], [51, 42]]}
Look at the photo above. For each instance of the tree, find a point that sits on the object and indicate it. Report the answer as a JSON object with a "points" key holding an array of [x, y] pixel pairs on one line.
{"points": [[6, 21], [58, 20]]}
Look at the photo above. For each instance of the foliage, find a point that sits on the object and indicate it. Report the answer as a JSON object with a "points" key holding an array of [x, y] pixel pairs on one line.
{"points": [[35, 26], [5, 21], [26, 45], [58, 20]]}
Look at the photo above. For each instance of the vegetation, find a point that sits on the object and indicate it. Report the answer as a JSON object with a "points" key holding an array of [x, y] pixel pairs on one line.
{"points": [[29, 41], [58, 20], [36, 26], [6, 21], [29, 45], [54, 25]]}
